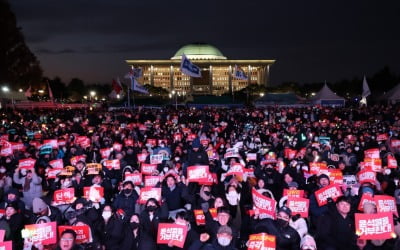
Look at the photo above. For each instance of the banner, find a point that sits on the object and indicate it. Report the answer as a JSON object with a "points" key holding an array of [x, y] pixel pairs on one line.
{"points": [[45, 233], [366, 176], [26, 163], [239, 73], [52, 142], [112, 164], [95, 194], [332, 191], [149, 192], [261, 241], [200, 217], [298, 206], [372, 153], [148, 169], [374, 226], [198, 173], [171, 233], [151, 180], [135, 86], [141, 157], [82, 233], [260, 201], [296, 193], [188, 68], [135, 178], [57, 164], [74, 160], [64, 196], [385, 203]]}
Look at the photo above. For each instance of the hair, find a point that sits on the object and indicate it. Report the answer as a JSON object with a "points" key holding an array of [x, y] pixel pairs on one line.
{"points": [[223, 210], [153, 200], [182, 215], [69, 231]]}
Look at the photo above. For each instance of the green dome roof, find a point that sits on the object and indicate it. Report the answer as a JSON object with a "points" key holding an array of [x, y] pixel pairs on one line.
{"points": [[199, 51]]}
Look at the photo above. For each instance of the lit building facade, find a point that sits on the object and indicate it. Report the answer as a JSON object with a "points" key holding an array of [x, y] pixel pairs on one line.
{"points": [[216, 72]]}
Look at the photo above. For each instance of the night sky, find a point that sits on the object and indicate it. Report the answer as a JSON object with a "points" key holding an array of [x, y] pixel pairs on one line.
{"points": [[312, 41]]}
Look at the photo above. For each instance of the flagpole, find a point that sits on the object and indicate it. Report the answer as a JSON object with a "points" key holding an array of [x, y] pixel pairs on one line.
{"points": [[129, 98]]}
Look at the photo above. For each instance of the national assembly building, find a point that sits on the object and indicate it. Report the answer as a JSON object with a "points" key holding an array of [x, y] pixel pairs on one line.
{"points": [[216, 72]]}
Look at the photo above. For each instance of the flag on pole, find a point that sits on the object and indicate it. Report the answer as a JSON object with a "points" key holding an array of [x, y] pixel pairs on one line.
{"points": [[50, 92], [138, 87], [239, 73], [188, 68], [134, 73], [366, 91], [116, 89], [28, 92]]}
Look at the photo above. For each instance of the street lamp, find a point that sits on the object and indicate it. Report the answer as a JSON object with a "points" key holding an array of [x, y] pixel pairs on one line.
{"points": [[92, 94], [5, 89], [175, 93]]}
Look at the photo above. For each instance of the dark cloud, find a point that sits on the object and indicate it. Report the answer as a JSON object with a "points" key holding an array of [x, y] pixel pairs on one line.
{"points": [[308, 38]]}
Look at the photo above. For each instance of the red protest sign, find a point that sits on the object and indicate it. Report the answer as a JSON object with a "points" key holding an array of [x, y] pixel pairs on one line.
{"points": [[117, 146], [262, 202], [64, 196], [74, 160], [251, 157], [94, 194], [52, 142], [177, 137], [235, 169], [171, 233], [318, 167], [6, 245], [261, 241], [191, 137], [82, 233], [213, 212], [293, 193], [27, 163], [365, 198], [382, 137], [112, 164], [17, 146], [375, 226], [142, 157], [395, 143], [199, 216], [385, 203], [152, 142], [372, 153], [148, 169], [366, 176], [149, 192], [57, 164], [335, 176], [2, 234], [52, 173], [135, 178], [44, 233], [373, 164], [105, 153], [299, 206], [392, 162], [289, 153], [204, 143], [212, 178], [151, 180], [332, 191], [6, 149], [198, 173]]}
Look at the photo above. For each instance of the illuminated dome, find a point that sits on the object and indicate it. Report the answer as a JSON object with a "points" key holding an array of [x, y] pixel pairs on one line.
{"points": [[199, 51]]}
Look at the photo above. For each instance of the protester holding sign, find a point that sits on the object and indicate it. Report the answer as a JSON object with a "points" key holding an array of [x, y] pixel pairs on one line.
{"points": [[16, 222], [127, 199], [32, 185]]}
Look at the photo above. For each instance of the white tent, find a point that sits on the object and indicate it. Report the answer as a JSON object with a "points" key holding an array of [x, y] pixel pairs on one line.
{"points": [[326, 97], [392, 95]]}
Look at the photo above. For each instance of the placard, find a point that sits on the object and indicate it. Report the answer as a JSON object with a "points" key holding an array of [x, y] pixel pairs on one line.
{"points": [[374, 226], [44, 233], [332, 191], [298, 206], [171, 233], [149, 192]]}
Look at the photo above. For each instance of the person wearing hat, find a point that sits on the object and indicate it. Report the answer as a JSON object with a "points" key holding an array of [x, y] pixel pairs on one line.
{"points": [[40, 208], [336, 229], [13, 195], [176, 194], [197, 155], [15, 221], [224, 240], [286, 236], [223, 219]]}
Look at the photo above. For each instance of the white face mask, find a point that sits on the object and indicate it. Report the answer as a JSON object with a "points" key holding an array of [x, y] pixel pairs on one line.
{"points": [[106, 214], [2, 170], [223, 241]]}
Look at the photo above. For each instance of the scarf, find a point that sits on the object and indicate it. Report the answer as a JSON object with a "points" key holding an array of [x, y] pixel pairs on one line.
{"points": [[27, 184]]}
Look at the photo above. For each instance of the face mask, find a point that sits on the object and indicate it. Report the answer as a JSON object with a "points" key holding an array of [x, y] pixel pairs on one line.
{"points": [[8, 161], [222, 146], [66, 183], [282, 223], [151, 208], [23, 172], [387, 171], [127, 191], [223, 241], [106, 214], [2, 170], [134, 225], [177, 158]]}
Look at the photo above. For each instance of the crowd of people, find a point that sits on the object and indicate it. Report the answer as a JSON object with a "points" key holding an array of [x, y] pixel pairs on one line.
{"points": [[277, 149]]}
